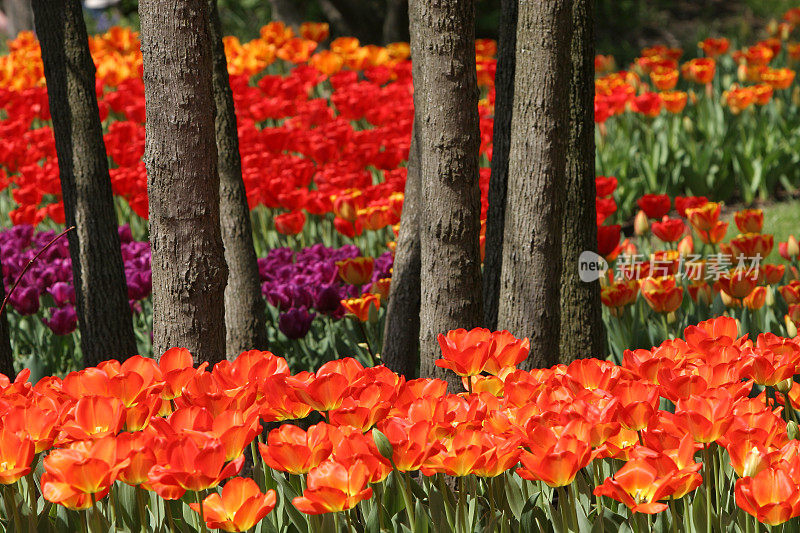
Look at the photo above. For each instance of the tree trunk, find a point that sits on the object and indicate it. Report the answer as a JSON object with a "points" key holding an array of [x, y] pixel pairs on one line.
{"points": [[20, 16], [290, 12], [188, 262], [532, 263], [582, 330], [443, 45], [395, 24], [6, 355], [401, 332], [358, 18], [501, 140], [104, 316], [245, 310]]}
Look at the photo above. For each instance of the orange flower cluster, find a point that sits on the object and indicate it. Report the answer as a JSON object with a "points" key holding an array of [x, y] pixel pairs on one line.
{"points": [[169, 427]]}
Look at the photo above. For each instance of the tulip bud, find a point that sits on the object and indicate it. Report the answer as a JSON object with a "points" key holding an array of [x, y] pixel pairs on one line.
{"points": [[688, 124], [640, 224], [671, 318], [772, 27], [741, 73], [791, 329], [796, 96], [382, 443], [686, 246], [769, 301], [785, 385], [791, 429], [792, 247]]}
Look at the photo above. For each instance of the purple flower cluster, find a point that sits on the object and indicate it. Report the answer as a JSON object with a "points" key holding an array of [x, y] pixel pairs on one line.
{"points": [[51, 274], [299, 282]]}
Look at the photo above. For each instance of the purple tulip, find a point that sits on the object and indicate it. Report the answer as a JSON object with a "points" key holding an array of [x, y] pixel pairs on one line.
{"points": [[25, 300], [296, 322], [63, 293], [63, 321]]}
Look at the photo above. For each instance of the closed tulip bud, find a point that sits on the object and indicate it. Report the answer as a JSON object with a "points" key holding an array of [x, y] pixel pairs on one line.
{"points": [[791, 429], [383, 444], [785, 385], [688, 124], [792, 247], [791, 329], [686, 246], [641, 226], [769, 301], [796, 96], [671, 318]]}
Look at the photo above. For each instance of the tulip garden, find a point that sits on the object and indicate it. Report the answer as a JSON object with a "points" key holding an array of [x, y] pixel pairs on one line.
{"points": [[690, 424]]}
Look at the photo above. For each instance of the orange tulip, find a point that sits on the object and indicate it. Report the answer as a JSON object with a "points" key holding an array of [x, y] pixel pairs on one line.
{"points": [[412, 443], [552, 459], [751, 245], [192, 463], [356, 271], [704, 217], [322, 392], [290, 449], [771, 496], [738, 283], [706, 416], [75, 476], [365, 307], [663, 294], [637, 485], [465, 352], [507, 352], [334, 487], [16, 455], [241, 506], [749, 220]]}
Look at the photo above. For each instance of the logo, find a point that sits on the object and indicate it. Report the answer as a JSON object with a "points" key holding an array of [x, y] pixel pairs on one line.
{"points": [[591, 266]]}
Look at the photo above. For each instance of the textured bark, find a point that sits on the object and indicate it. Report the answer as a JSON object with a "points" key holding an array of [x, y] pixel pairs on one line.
{"points": [[20, 16], [395, 24], [401, 332], [6, 355], [443, 45], [501, 140], [532, 263], [289, 12], [245, 312], [582, 330], [354, 18], [188, 264], [104, 316]]}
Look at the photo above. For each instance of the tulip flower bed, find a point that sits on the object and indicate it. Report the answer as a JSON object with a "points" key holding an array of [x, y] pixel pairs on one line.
{"points": [[299, 286], [324, 133], [697, 434]]}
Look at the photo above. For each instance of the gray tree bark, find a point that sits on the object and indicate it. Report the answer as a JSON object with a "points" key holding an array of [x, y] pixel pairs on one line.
{"points": [[188, 262], [501, 140], [6, 355], [532, 263], [395, 24], [401, 330], [443, 44], [290, 12], [582, 330], [245, 311], [20, 16], [104, 316]]}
